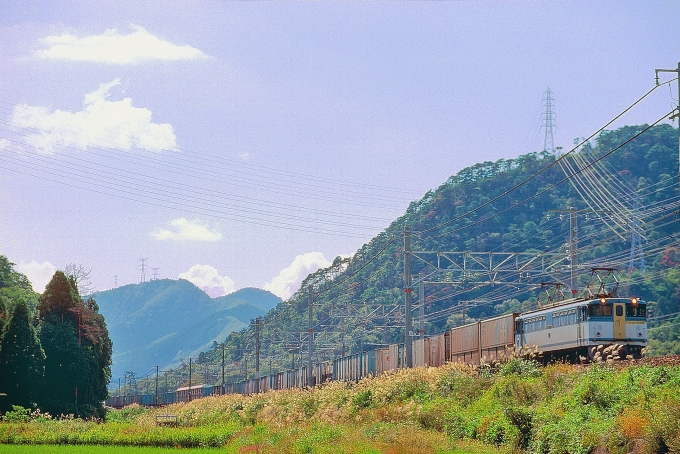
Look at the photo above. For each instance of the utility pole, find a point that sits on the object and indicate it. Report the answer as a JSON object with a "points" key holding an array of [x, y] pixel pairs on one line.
{"points": [[310, 330], [421, 306], [407, 290], [223, 390], [573, 252], [257, 353], [342, 338], [189, 379], [676, 115], [361, 355], [155, 400], [636, 260]]}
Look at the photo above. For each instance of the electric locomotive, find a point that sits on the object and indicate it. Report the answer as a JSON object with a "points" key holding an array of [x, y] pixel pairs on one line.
{"points": [[574, 330]]}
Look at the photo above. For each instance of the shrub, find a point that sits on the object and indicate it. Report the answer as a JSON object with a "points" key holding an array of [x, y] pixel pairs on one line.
{"points": [[663, 431], [17, 414], [521, 367], [126, 414], [363, 399]]}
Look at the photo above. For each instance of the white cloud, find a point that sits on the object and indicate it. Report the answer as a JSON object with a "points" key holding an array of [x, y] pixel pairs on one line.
{"points": [[104, 123], [209, 280], [185, 230], [39, 274], [289, 279], [244, 156], [115, 48]]}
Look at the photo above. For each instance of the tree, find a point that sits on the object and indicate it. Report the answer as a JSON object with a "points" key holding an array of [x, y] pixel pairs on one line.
{"points": [[59, 299], [21, 359], [77, 348], [81, 276], [11, 278]]}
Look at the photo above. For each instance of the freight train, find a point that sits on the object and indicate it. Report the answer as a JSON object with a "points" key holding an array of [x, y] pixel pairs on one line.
{"points": [[574, 330]]}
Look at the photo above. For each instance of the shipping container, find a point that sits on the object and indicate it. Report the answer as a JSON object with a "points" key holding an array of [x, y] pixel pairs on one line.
{"points": [[497, 337]]}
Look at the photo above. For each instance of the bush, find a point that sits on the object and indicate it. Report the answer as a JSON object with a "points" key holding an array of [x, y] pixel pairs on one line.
{"points": [[521, 367], [17, 414], [363, 399]]}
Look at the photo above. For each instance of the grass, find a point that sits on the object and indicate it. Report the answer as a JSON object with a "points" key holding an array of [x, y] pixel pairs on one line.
{"points": [[517, 407], [87, 449]]}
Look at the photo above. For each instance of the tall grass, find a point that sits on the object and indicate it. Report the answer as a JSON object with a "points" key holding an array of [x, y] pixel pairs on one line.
{"points": [[516, 407]]}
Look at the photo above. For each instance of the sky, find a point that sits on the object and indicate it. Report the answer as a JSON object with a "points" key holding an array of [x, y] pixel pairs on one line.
{"points": [[246, 144]]}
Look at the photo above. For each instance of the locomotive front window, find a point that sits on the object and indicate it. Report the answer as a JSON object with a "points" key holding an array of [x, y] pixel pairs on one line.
{"points": [[619, 311], [599, 310], [636, 311]]}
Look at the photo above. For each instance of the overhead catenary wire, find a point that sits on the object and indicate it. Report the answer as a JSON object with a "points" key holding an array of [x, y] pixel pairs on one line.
{"points": [[544, 169], [266, 178], [549, 188], [177, 199], [135, 180]]}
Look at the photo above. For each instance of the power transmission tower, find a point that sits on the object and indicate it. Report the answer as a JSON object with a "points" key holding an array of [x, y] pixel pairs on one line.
{"points": [[636, 261], [549, 123], [154, 277], [142, 267]]}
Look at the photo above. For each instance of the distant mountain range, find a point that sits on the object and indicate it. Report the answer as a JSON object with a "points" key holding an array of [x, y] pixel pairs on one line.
{"points": [[160, 322]]}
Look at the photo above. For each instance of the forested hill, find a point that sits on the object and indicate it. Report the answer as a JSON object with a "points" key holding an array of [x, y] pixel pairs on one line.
{"points": [[486, 208], [161, 322]]}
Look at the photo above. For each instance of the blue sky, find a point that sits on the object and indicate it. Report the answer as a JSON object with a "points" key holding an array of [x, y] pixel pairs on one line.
{"points": [[245, 144]]}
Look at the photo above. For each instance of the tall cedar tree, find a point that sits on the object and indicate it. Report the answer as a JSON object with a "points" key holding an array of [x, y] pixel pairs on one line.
{"points": [[77, 349], [21, 359], [11, 278]]}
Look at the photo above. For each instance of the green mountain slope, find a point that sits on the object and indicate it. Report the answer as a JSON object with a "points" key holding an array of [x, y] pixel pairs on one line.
{"points": [[515, 205], [491, 207], [159, 323]]}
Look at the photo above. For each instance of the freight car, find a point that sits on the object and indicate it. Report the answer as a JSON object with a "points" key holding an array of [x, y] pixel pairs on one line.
{"points": [[570, 330]]}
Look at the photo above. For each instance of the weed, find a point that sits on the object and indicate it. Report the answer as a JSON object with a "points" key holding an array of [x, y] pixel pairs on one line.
{"points": [[521, 367], [363, 399]]}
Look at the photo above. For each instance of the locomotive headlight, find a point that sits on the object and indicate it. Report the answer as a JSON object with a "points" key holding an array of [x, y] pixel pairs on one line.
{"points": [[603, 300], [634, 301]]}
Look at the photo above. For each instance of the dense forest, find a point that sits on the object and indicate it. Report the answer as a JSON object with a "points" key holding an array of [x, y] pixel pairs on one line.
{"points": [[622, 189], [55, 350]]}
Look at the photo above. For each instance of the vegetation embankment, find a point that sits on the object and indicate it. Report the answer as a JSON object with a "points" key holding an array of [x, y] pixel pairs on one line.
{"points": [[517, 406]]}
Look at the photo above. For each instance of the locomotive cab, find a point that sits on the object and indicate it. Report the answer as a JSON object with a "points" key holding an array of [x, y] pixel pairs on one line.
{"points": [[576, 329], [618, 321]]}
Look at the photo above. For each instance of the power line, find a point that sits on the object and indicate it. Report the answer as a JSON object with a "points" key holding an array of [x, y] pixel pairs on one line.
{"points": [[546, 168], [549, 188]]}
